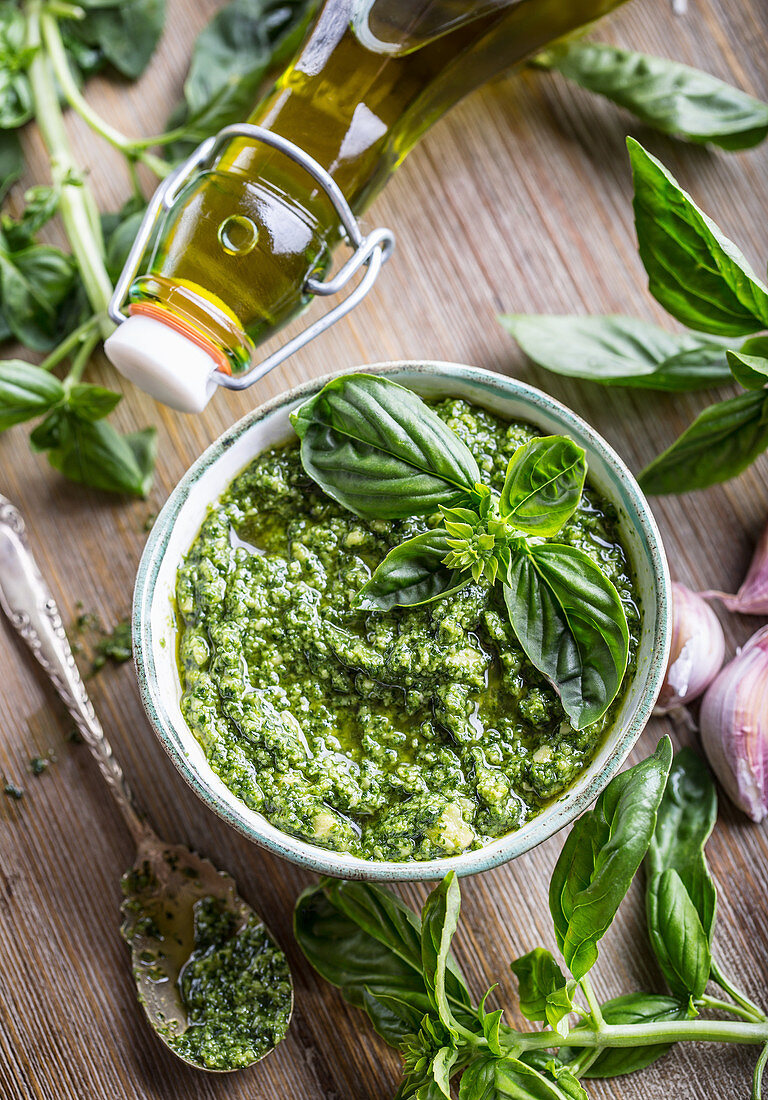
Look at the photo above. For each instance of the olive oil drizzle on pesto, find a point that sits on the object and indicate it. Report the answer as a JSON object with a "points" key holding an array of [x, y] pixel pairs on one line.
{"points": [[409, 734]]}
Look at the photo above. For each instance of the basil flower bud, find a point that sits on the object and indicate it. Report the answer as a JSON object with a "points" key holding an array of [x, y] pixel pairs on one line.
{"points": [[696, 653], [734, 727], [752, 597]]}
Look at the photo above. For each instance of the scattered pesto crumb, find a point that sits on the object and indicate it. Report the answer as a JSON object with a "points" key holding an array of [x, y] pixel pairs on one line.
{"points": [[149, 522], [13, 791], [38, 764], [114, 647]]}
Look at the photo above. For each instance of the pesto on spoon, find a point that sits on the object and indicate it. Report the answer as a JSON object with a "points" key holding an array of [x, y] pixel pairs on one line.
{"points": [[214, 984]]}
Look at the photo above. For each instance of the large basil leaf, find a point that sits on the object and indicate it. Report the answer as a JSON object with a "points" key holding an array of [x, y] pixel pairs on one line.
{"points": [[543, 484], [601, 856], [26, 392], [633, 1008], [570, 621], [124, 33], [512, 1079], [543, 989], [749, 365], [676, 934], [439, 919], [694, 271], [377, 449], [721, 442], [233, 57], [365, 941], [94, 453], [664, 94], [619, 351], [685, 820], [411, 574]]}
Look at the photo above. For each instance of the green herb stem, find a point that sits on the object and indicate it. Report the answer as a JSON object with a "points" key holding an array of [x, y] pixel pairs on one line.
{"points": [[594, 1005], [757, 1079], [80, 361], [71, 342], [740, 998], [726, 1006], [77, 205], [134, 150], [635, 1035]]}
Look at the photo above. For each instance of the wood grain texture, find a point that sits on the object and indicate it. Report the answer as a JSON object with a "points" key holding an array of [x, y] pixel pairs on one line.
{"points": [[518, 201]]}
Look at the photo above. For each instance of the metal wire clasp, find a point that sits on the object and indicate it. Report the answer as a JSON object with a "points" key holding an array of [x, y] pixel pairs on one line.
{"points": [[369, 251]]}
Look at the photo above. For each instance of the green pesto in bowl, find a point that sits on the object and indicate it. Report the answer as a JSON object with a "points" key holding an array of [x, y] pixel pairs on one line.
{"points": [[409, 734]]}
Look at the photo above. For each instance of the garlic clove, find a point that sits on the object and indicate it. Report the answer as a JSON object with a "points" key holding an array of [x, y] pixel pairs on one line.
{"points": [[752, 597], [734, 727], [696, 653]]}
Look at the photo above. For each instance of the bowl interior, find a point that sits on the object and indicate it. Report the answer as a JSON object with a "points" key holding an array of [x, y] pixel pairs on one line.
{"points": [[154, 626]]}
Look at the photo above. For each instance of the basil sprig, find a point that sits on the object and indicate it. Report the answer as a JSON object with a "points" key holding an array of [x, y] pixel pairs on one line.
{"points": [[381, 452], [401, 970], [703, 280]]}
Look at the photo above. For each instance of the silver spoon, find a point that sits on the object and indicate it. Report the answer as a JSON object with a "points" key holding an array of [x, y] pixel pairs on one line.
{"points": [[166, 880]]}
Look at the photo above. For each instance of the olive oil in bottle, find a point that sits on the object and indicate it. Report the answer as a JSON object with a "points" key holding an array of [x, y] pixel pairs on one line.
{"points": [[235, 251]]}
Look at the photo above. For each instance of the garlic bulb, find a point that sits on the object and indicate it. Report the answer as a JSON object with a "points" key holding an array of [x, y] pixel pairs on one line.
{"points": [[752, 597], [696, 653], [734, 727]]}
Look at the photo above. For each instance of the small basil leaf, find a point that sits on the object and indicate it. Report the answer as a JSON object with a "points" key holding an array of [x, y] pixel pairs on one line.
{"points": [[538, 975], [411, 574], [685, 821], [16, 99], [26, 392], [91, 402], [678, 940], [664, 94], [619, 351], [601, 856], [543, 484], [439, 919], [36, 289], [40, 205], [721, 442], [633, 1008], [491, 1025], [378, 450], [95, 454], [488, 1078], [750, 371], [694, 271], [232, 59], [442, 1064], [570, 621]]}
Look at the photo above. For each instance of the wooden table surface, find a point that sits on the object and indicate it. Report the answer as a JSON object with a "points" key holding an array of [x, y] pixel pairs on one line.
{"points": [[518, 201]]}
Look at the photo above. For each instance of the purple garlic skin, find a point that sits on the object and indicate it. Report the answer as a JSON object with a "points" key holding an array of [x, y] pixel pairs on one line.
{"points": [[752, 597], [696, 653], [734, 727]]}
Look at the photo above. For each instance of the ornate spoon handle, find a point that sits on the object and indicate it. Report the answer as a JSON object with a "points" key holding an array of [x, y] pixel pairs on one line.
{"points": [[32, 611]]}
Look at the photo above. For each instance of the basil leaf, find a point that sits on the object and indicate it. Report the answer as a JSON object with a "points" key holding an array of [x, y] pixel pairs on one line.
{"points": [[26, 392], [91, 402], [633, 1008], [694, 271], [664, 94], [570, 621], [619, 351], [11, 161], [538, 975], [36, 292], [677, 937], [124, 33], [378, 450], [364, 940], [601, 856], [40, 205], [543, 484], [231, 61], [488, 1078], [721, 442], [16, 100], [95, 454], [411, 574], [555, 1069], [749, 370], [439, 918], [685, 821]]}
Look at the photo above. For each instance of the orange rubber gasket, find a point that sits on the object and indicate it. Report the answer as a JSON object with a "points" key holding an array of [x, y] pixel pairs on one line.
{"points": [[159, 314]]}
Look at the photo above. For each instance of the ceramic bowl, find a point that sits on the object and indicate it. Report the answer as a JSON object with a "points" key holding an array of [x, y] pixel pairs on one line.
{"points": [[177, 525]]}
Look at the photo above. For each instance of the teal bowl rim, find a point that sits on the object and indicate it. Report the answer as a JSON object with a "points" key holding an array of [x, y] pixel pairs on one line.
{"points": [[549, 821]]}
